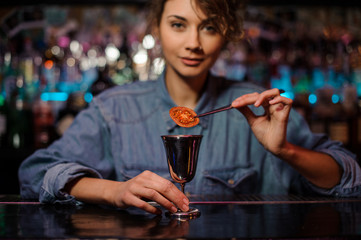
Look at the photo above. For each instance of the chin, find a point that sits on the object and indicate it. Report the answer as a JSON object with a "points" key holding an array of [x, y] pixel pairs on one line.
{"points": [[192, 76], [193, 73], [188, 72]]}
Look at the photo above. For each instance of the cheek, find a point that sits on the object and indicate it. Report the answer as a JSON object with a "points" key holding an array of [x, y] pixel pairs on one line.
{"points": [[167, 49], [169, 44], [213, 51], [212, 46]]}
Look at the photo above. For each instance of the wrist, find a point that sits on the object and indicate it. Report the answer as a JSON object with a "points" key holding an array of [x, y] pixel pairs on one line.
{"points": [[109, 192], [287, 152]]}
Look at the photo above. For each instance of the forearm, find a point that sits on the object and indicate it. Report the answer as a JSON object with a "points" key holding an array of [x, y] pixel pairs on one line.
{"points": [[92, 190], [317, 167], [133, 192]]}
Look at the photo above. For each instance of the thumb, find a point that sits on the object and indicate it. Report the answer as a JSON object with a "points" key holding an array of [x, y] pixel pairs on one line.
{"points": [[247, 113]]}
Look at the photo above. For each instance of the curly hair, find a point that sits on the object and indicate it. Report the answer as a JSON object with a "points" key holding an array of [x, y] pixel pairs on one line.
{"points": [[225, 15]]}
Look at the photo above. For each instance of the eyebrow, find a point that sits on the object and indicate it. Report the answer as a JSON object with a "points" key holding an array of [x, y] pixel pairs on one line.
{"points": [[207, 20], [178, 17]]}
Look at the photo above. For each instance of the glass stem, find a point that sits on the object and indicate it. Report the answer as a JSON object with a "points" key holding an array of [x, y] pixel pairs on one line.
{"points": [[182, 187]]}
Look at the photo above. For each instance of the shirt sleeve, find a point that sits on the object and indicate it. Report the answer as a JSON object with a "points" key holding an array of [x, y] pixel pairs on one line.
{"points": [[83, 150], [350, 185], [57, 177]]}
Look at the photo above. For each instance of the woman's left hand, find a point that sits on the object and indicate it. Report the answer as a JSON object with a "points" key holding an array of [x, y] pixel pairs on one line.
{"points": [[270, 128]]}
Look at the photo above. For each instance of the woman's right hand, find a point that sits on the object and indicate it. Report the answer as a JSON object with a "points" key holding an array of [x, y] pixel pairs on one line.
{"points": [[150, 186], [133, 192]]}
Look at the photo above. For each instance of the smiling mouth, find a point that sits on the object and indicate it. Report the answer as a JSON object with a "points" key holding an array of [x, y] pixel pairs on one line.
{"points": [[191, 61]]}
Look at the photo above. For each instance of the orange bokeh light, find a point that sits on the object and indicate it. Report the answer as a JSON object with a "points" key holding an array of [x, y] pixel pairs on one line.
{"points": [[49, 64]]}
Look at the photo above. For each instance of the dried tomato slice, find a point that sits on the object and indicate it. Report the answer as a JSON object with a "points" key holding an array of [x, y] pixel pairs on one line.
{"points": [[183, 116]]}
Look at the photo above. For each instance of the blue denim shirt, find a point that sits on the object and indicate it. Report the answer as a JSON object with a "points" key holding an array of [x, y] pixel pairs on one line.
{"points": [[118, 136]]}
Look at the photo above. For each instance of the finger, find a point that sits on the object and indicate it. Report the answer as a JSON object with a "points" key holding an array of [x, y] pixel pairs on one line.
{"points": [[168, 194], [266, 96], [165, 192], [281, 103], [244, 100], [137, 202], [160, 199], [248, 114], [280, 99]]}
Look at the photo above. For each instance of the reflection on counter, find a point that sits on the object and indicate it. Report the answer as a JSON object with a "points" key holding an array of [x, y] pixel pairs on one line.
{"points": [[334, 219]]}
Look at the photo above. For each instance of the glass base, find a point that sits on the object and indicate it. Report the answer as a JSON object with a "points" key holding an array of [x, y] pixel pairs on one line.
{"points": [[192, 213]]}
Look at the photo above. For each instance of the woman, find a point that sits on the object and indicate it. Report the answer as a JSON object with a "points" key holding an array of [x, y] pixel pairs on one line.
{"points": [[113, 154]]}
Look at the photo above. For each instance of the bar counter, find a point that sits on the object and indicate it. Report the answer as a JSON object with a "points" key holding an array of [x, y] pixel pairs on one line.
{"points": [[247, 217]]}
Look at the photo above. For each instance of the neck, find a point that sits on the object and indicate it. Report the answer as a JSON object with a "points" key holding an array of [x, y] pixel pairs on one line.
{"points": [[185, 92]]}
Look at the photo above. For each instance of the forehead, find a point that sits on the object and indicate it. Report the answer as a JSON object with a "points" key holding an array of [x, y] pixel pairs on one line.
{"points": [[184, 8]]}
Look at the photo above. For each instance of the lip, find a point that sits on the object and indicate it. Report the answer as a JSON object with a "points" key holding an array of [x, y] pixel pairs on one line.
{"points": [[191, 61]]}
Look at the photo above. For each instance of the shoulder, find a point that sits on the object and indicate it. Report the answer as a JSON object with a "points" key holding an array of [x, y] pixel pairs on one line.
{"points": [[133, 89], [232, 89], [127, 102], [235, 85]]}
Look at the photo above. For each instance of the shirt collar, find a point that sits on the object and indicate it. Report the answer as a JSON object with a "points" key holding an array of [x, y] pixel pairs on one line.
{"points": [[205, 103]]}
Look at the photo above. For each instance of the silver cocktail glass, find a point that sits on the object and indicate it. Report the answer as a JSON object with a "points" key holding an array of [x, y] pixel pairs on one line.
{"points": [[182, 156]]}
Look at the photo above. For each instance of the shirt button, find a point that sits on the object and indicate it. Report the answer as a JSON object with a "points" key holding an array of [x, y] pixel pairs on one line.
{"points": [[231, 181]]}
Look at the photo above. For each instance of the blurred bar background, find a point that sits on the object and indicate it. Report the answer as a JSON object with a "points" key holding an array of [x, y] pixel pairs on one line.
{"points": [[55, 57]]}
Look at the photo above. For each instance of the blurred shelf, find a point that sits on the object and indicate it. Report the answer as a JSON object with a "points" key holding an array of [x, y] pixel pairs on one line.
{"points": [[321, 3], [71, 2]]}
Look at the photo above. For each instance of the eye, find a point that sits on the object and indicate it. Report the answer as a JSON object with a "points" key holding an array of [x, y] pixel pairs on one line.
{"points": [[177, 25], [209, 28]]}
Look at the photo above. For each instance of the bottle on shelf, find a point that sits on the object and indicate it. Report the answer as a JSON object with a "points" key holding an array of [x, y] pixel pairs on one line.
{"points": [[19, 120], [43, 124], [3, 120]]}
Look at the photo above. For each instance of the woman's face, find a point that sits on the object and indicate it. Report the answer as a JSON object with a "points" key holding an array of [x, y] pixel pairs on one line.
{"points": [[190, 42]]}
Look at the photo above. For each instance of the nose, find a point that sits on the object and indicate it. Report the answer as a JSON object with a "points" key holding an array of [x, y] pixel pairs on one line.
{"points": [[193, 41]]}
